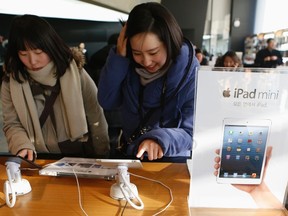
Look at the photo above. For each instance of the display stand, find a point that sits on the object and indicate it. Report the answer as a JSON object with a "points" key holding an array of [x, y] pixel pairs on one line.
{"points": [[243, 94], [15, 185]]}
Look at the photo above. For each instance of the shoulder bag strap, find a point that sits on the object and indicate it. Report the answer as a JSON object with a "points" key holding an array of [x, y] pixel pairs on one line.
{"points": [[49, 103], [138, 131]]}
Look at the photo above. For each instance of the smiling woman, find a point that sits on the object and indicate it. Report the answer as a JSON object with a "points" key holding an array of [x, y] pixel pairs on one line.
{"points": [[150, 75]]}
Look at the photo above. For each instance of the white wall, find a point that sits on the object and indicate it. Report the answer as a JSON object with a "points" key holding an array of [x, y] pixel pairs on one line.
{"points": [[271, 15]]}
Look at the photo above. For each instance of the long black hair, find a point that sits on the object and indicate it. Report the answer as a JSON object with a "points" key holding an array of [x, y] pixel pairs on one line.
{"points": [[32, 32]]}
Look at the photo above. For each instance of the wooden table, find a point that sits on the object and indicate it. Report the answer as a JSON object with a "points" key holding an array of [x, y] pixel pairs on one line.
{"points": [[59, 195]]}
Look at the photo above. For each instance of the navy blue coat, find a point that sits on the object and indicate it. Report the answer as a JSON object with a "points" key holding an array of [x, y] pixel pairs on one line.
{"points": [[119, 86], [262, 54]]}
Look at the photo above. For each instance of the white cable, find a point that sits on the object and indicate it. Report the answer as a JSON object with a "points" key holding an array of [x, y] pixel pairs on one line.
{"points": [[13, 193], [169, 189], [78, 189], [79, 192], [127, 184]]}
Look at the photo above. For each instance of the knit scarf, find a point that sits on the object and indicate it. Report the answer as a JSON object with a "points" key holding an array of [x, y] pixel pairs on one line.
{"points": [[70, 97], [147, 77]]}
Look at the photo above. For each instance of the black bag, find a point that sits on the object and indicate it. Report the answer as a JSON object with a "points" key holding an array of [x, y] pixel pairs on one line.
{"points": [[77, 149]]}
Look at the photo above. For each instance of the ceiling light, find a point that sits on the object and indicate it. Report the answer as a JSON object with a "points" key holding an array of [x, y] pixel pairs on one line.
{"points": [[67, 9]]}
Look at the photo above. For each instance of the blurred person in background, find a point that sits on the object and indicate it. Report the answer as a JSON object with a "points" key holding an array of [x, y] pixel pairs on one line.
{"points": [[230, 60], [201, 57], [268, 57]]}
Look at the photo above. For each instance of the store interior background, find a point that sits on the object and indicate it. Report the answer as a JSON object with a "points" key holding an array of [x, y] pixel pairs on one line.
{"points": [[212, 25]]}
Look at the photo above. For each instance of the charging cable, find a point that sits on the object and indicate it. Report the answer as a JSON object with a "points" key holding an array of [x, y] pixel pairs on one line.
{"points": [[159, 182], [123, 189], [79, 192], [129, 190]]}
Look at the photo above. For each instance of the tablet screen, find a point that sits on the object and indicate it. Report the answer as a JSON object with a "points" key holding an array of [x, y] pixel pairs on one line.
{"points": [[243, 153]]}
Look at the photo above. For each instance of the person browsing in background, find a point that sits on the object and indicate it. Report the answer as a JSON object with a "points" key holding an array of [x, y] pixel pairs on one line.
{"points": [[229, 59], [150, 74], [2, 49], [268, 57], [84, 51], [98, 59], [82, 48], [113, 117], [200, 56], [49, 101]]}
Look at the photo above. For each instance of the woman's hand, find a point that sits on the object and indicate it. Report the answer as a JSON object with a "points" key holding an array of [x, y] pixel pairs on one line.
{"points": [[122, 42], [247, 188], [260, 193], [152, 148], [26, 153]]}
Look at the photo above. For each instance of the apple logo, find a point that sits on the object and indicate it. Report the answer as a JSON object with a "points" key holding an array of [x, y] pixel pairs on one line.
{"points": [[226, 93]]}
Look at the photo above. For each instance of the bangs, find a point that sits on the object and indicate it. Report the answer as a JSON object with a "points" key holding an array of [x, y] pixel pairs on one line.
{"points": [[25, 39], [25, 44]]}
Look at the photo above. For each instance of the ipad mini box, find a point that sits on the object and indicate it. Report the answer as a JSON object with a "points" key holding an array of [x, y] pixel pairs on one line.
{"points": [[240, 139]]}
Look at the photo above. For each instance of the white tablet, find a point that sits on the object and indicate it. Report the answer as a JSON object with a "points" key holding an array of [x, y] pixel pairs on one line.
{"points": [[118, 162], [243, 150], [82, 167]]}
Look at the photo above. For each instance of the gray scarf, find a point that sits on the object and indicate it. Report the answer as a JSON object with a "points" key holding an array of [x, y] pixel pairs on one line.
{"points": [[147, 77]]}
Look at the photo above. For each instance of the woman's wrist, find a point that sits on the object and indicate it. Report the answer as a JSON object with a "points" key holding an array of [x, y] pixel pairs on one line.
{"points": [[264, 197]]}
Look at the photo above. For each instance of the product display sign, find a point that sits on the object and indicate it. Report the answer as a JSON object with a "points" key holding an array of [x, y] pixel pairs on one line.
{"points": [[240, 139]]}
